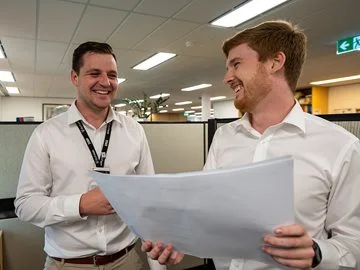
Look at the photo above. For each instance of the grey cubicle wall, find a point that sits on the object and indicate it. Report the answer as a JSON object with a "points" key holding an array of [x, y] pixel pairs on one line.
{"points": [[175, 147]]}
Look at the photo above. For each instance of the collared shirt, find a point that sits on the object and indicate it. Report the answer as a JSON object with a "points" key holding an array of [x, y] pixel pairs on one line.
{"points": [[56, 172], [326, 180]]}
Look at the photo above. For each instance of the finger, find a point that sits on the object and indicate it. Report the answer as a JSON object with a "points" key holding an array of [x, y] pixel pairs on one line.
{"points": [[290, 230], [178, 258], [146, 246], [165, 255], [298, 264], [156, 251], [299, 253], [288, 242]]}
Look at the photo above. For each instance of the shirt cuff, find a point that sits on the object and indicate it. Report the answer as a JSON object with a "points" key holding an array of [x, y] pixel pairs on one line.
{"points": [[71, 207], [330, 256]]}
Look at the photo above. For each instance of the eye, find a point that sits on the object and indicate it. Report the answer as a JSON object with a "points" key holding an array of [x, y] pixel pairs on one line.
{"points": [[236, 64], [112, 76], [94, 74]]}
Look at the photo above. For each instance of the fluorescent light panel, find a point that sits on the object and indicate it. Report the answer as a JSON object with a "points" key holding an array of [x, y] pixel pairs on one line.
{"points": [[196, 87], [183, 103], [196, 107], [6, 76], [120, 105], [160, 95], [217, 98], [177, 110], [163, 111], [154, 60], [120, 80], [2, 53], [342, 79], [12, 90], [246, 12], [189, 111]]}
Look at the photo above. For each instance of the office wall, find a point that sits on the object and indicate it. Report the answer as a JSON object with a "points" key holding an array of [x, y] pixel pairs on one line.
{"points": [[225, 109], [345, 98], [13, 107]]}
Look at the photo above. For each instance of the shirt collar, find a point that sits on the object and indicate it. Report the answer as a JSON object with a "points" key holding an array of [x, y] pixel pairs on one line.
{"points": [[74, 115], [296, 118]]}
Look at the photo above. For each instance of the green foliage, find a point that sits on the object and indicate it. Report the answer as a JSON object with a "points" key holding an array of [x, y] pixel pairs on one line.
{"points": [[147, 107]]}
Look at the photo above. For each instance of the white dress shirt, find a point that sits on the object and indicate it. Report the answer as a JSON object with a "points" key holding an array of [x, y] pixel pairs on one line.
{"points": [[326, 180], [55, 173]]}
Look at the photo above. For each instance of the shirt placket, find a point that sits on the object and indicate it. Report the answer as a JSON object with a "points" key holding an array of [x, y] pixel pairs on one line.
{"points": [[100, 228], [262, 147]]}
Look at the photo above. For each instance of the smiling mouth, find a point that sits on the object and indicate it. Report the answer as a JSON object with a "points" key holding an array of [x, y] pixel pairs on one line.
{"points": [[102, 92]]}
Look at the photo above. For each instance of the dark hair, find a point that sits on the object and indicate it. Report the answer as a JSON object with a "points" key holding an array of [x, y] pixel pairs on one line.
{"points": [[90, 46], [271, 37]]}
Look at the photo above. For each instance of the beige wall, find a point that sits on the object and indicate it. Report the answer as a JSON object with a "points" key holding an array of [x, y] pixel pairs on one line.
{"points": [[344, 98]]}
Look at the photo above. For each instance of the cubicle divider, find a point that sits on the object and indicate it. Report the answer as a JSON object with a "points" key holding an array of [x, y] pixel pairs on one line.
{"points": [[175, 147]]}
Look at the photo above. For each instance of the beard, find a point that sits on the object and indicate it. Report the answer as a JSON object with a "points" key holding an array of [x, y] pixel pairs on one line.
{"points": [[253, 91]]}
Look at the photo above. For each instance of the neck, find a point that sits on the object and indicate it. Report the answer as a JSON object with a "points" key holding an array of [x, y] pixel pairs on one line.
{"points": [[93, 116], [272, 110]]}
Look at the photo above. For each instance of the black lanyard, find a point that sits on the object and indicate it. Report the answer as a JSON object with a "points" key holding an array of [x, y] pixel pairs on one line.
{"points": [[98, 162]]}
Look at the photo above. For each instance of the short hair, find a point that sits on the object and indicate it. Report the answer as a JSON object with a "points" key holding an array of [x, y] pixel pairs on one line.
{"points": [[271, 37], [90, 46]]}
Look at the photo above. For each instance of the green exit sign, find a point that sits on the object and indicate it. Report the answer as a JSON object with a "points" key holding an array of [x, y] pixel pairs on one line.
{"points": [[348, 45]]}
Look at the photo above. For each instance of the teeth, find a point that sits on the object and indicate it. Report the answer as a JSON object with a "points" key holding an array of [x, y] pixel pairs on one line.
{"points": [[103, 92], [237, 88]]}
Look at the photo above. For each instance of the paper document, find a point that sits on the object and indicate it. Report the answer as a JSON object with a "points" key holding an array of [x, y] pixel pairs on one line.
{"points": [[209, 214]]}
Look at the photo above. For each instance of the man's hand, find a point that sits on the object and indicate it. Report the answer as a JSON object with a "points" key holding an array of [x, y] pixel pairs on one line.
{"points": [[291, 246], [93, 203], [164, 255]]}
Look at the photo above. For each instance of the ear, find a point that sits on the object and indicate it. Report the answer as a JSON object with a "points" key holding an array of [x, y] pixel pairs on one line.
{"points": [[74, 78], [278, 62]]}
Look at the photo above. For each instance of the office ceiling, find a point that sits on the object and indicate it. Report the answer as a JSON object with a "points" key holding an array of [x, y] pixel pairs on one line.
{"points": [[40, 35]]}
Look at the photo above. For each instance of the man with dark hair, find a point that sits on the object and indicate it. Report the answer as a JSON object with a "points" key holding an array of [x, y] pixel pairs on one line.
{"points": [[55, 189], [263, 66]]}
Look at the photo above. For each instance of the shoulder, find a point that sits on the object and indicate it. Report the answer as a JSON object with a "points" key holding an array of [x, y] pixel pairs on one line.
{"points": [[319, 125], [128, 123]]}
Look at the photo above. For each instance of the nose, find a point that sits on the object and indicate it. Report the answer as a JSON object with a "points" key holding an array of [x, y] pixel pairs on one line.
{"points": [[228, 77], [104, 80]]}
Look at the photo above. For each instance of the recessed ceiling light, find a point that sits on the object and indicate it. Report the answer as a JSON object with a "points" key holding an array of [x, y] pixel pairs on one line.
{"points": [[246, 12], [154, 60], [6, 76], [342, 79], [120, 80], [160, 95], [196, 107], [189, 111], [183, 103], [217, 98], [163, 111], [196, 87], [178, 109], [12, 90]]}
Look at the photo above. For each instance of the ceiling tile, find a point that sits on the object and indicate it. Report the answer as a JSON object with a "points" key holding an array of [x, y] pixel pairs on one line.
{"points": [[49, 55], [20, 53], [58, 20], [206, 41], [119, 4], [161, 7], [165, 34], [17, 18], [128, 35], [98, 23], [203, 11]]}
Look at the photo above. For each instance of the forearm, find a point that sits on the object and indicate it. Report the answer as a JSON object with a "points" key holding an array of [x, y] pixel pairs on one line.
{"points": [[43, 211]]}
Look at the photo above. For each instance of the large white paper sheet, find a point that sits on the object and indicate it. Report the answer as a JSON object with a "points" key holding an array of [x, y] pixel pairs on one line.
{"points": [[214, 214]]}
